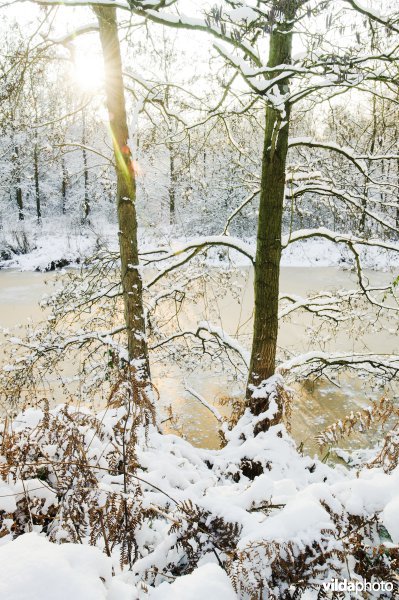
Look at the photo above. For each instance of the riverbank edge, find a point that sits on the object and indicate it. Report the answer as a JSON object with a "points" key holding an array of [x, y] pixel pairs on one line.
{"points": [[51, 252]]}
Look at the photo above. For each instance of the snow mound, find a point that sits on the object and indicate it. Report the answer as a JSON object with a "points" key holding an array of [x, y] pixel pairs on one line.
{"points": [[390, 519], [32, 568], [208, 581]]}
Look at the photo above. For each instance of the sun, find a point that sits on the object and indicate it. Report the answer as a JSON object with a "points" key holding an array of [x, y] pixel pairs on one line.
{"points": [[89, 72]]}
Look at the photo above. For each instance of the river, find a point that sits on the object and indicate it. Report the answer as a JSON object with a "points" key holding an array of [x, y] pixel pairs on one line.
{"points": [[316, 404]]}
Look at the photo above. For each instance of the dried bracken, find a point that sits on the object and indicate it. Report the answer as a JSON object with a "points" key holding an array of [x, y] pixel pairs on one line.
{"points": [[283, 570], [60, 459], [378, 413], [388, 456]]}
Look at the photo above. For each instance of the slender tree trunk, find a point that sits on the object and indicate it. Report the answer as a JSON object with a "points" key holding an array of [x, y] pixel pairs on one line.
{"points": [[86, 202], [37, 182], [268, 251], [20, 203], [172, 184], [366, 192], [172, 170], [397, 196], [397, 181], [64, 185], [18, 189], [126, 192]]}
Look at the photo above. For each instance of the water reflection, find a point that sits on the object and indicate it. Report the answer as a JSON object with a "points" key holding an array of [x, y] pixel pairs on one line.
{"points": [[316, 404]]}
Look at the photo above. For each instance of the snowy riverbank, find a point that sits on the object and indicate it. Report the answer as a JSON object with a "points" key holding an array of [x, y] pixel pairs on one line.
{"points": [[48, 248]]}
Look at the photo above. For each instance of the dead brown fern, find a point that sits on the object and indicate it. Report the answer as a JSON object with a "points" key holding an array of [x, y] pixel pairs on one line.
{"points": [[273, 570], [116, 523], [378, 413], [388, 456], [199, 532], [57, 453], [129, 388]]}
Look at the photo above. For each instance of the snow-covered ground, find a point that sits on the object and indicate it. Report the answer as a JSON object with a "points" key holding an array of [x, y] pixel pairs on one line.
{"points": [[32, 568], [214, 528], [54, 245], [295, 509]]}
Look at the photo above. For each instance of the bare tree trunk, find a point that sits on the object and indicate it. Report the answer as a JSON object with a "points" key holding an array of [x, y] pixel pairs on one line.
{"points": [[64, 185], [268, 251], [172, 184], [18, 189], [397, 180], [20, 204], [172, 170], [86, 202], [397, 197], [366, 192], [126, 192], [37, 183]]}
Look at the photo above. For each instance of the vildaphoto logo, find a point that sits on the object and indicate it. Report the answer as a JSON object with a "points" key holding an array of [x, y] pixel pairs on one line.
{"points": [[357, 586]]}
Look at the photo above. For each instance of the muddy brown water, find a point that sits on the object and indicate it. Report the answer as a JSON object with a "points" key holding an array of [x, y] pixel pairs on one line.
{"points": [[316, 404]]}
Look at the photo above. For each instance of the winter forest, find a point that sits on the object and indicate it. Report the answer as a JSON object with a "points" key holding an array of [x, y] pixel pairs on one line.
{"points": [[199, 297]]}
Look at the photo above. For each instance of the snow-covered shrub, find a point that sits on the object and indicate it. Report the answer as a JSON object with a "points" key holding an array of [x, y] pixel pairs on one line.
{"points": [[61, 456], [170, 512]]}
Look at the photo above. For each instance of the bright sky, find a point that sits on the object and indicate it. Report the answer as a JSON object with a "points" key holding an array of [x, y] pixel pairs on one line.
{"points": [[195, 47]]}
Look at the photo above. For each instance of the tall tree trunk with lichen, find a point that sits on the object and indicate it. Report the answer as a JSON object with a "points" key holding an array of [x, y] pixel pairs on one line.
{"points": [[397, 198], [126, 192], [269, 235]]}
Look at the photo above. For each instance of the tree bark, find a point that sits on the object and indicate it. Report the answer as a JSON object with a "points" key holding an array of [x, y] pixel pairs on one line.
{"points": [[37, 183], [86, 202], [397, 198], [126, 192], [64, 185], [172, 171], [268, 251], [18, 189], [172, 183], [366, 191]]}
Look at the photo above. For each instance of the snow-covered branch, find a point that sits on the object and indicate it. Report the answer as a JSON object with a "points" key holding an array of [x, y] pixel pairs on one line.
{"points": [[316, 362], [188, 250], [330, 145], [205, 403], [214, 332], [391, 22], [338, 238], [237, 211]]}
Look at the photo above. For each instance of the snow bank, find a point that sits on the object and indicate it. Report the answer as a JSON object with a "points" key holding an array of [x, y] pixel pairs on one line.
{"points": [[53, 244], [52, 252], [206, 583], [52, 248], [257, 505], [390, 518], [32, 568], [319, 252]]}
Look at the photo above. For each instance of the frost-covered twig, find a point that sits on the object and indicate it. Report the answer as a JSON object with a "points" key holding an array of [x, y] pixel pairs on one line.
{"points": [[201, 399], [316, 362], [215, 332]]}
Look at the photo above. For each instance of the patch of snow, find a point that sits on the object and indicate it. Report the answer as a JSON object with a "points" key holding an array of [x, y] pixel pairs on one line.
{"points": [[32, 568], [207, 581], [390, 519]]}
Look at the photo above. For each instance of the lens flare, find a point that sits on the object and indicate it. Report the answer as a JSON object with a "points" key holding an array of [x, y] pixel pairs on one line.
{"points": [[89, 72]]}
